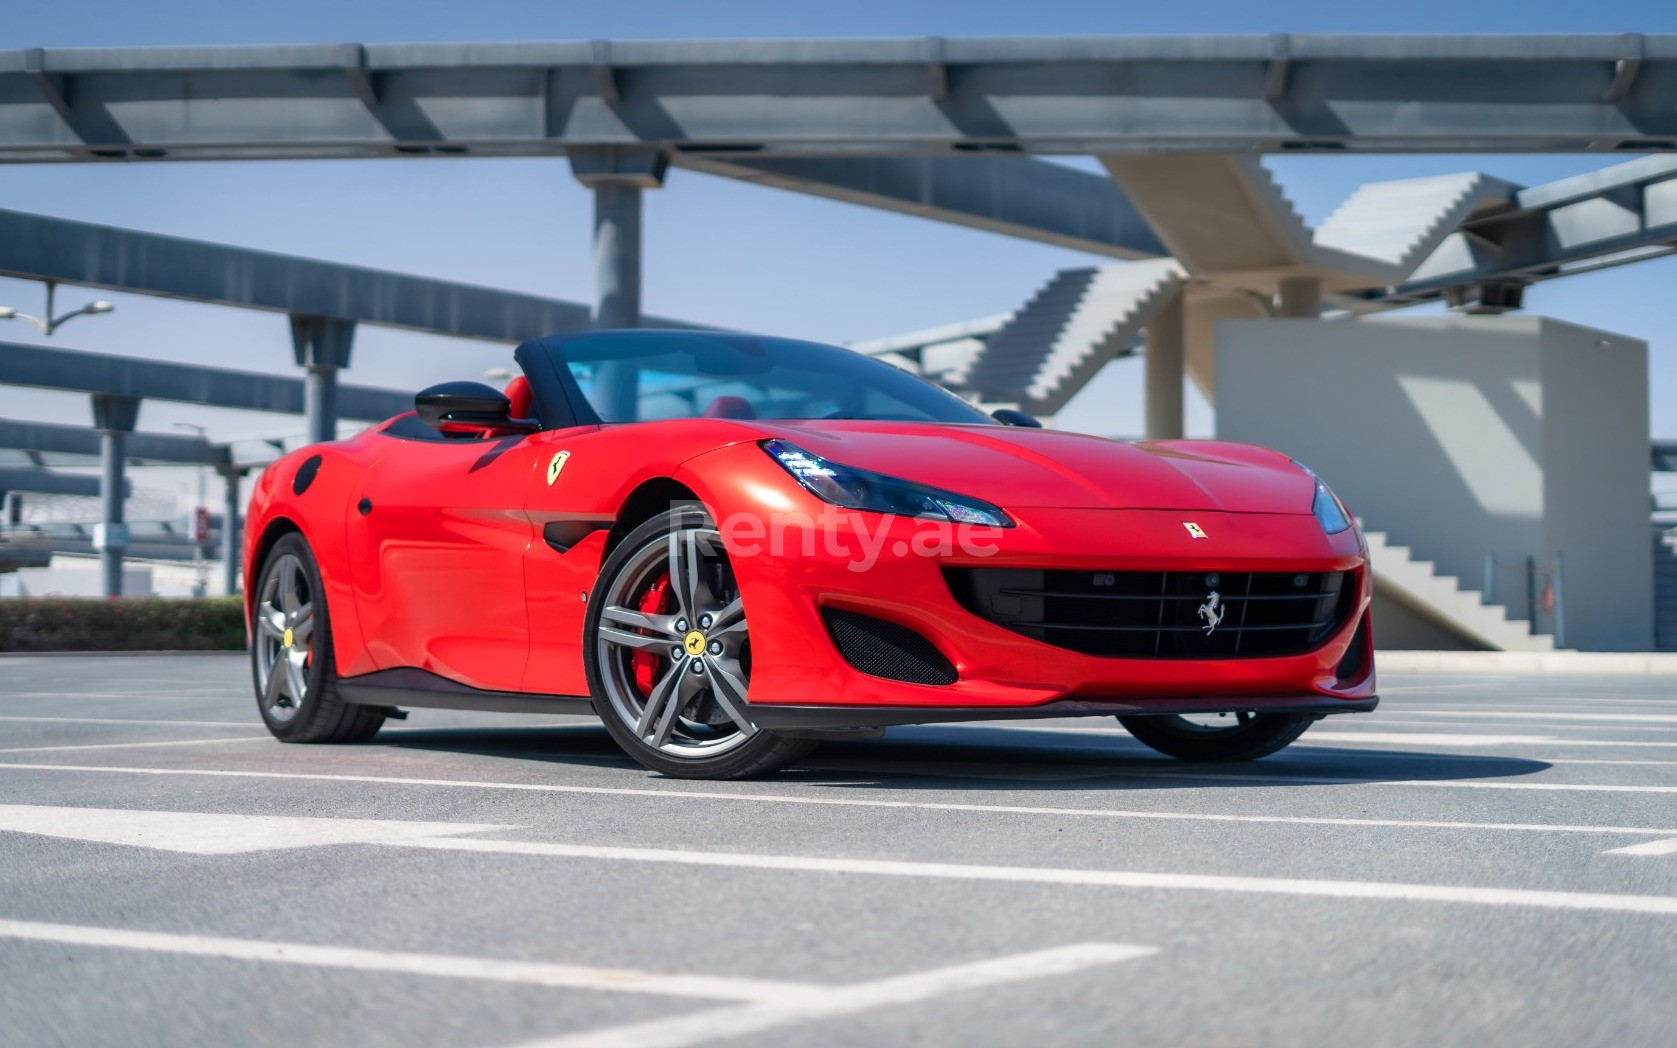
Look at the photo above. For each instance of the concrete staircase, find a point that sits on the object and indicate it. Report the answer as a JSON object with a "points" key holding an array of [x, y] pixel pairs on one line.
{"points": [[1403, 222], [1441, 600], [1070, 328], [1665, 588]]}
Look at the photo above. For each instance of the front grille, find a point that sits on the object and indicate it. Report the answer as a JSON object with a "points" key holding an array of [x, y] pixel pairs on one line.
{"points": [[885, 649], [1161, 614]]}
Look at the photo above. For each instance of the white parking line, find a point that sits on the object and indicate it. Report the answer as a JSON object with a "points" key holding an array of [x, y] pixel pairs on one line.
{"points": [[1628, 718], [194, 832], [1660, 905], [766, 1003], [683, 1030], [1665, 847], [848, 802], [112, 720], [1433, 738], [136, 745], [488, 969]]}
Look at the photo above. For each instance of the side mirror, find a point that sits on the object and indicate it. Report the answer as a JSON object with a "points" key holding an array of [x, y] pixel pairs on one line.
{"points": [[1014, 417], [463, 407]]}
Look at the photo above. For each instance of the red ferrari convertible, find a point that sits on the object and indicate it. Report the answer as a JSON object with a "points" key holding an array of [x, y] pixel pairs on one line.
{"points": [[729, 547]]}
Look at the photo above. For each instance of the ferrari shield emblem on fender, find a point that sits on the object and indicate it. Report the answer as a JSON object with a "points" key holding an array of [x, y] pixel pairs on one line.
{"points": [[555, 465], [1193, 529]]}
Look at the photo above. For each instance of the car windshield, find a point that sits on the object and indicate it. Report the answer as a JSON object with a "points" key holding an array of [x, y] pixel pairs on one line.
{"points": [[653, 375]]}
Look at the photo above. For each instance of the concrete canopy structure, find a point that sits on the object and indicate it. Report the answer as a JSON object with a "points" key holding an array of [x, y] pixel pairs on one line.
{"points": [[800, 97]]}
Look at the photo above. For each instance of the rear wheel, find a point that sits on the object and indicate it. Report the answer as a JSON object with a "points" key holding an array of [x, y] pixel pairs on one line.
{"points": [[291, 654], [668, 655], [1218, 736]]}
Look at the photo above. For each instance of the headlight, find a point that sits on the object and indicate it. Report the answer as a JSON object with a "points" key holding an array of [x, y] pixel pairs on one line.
{"points": [[864, 489], [1325, 505]]}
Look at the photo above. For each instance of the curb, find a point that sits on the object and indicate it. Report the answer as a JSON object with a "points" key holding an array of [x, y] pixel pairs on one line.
{"points": [[1563, 663]]}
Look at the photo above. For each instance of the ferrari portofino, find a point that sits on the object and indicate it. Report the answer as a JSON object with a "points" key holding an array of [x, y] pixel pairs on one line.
{"points": [[730, 546]]}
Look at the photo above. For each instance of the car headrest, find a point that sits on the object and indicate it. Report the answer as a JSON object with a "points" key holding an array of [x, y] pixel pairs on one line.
{"points": [[523, 401], [730, 407]]}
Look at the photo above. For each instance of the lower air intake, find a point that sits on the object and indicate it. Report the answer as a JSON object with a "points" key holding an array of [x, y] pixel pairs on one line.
{"points": [[885, 649]]}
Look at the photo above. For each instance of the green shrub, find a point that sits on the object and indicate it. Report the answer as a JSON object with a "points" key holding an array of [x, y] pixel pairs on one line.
{"points": [[125, 624]]}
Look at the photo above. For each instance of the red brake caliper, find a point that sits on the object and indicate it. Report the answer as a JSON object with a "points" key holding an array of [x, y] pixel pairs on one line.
{"points": [[646, 662]]}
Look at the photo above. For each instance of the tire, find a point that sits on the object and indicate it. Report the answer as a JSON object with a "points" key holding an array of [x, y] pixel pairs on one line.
{"points": [[291, 660], [668, 655], [1253, 735]]}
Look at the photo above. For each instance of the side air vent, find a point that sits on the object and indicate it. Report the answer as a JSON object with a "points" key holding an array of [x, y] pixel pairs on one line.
{"points": [[305, 475], [885, 649]]}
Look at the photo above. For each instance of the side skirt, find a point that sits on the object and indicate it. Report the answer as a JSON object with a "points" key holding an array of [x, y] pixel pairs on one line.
{"points": [[420, 688]]}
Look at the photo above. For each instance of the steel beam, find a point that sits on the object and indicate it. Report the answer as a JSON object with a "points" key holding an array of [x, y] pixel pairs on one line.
{"points": [[46, 482], [1516, 93], [53, 439], [36, 247], [1013, 195], [26, 365]]}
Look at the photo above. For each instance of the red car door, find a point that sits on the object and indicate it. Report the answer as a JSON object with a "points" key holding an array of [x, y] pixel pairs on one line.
{"points": [[438, 537]]}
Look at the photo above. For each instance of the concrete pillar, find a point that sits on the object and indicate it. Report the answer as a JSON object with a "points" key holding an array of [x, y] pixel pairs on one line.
{"points": [[1162, 361], [232, 534], [1299, 297], [617, 175], [322, 345], [617, 255], [114, 417]]}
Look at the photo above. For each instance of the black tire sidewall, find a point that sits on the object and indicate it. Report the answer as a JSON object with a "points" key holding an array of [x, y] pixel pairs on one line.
{"points": [[1265, 734]]}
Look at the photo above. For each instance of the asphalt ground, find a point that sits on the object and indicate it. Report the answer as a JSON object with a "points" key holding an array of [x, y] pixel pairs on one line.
{"points": [[1485, 861]]}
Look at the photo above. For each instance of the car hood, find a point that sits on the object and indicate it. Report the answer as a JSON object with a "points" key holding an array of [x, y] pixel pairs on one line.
{"points": [[1037, 468]]}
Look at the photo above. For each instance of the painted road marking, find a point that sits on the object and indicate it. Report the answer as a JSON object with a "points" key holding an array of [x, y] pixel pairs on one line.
{"points": [[113, 720], [1628, 718], [208, 834], [1665, 847], [1316, 736], [1553, 900], [136, 745], [534, 973], [849, 802], [683, 1030], [221, 834]]}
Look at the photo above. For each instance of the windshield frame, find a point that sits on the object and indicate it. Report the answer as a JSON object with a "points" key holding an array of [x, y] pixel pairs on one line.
{"points": [[561, 402]]}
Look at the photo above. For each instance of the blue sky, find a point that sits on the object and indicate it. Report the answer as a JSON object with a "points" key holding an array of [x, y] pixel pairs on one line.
{"points": [[716, 251]]}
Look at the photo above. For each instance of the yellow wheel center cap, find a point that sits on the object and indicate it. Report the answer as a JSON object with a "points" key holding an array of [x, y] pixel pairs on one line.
{"points": [[289, 637], [694, 642]]}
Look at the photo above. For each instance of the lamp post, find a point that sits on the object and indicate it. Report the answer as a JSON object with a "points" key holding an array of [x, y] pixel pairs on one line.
{"points": [[50, 323], [200, 523]]}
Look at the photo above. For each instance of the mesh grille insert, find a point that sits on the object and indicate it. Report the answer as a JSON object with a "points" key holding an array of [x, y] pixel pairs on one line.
{"points": [[885, 649], [1161, 614]]}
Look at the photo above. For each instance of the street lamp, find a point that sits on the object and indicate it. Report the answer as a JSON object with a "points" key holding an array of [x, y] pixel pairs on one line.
{"points": [[201, 523], [50, 323]]}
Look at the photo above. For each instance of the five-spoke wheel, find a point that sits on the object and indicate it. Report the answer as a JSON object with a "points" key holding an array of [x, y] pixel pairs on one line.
{"points": [[284, 635], [669, 654]]}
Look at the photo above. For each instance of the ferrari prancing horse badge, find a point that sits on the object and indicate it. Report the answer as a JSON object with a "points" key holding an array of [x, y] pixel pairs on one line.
{"points": [[555, 465], [1193, 529]]}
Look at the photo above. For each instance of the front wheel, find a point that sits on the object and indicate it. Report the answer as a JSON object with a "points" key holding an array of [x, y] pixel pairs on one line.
{"points": [[1218, 737], [668, 655]]}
